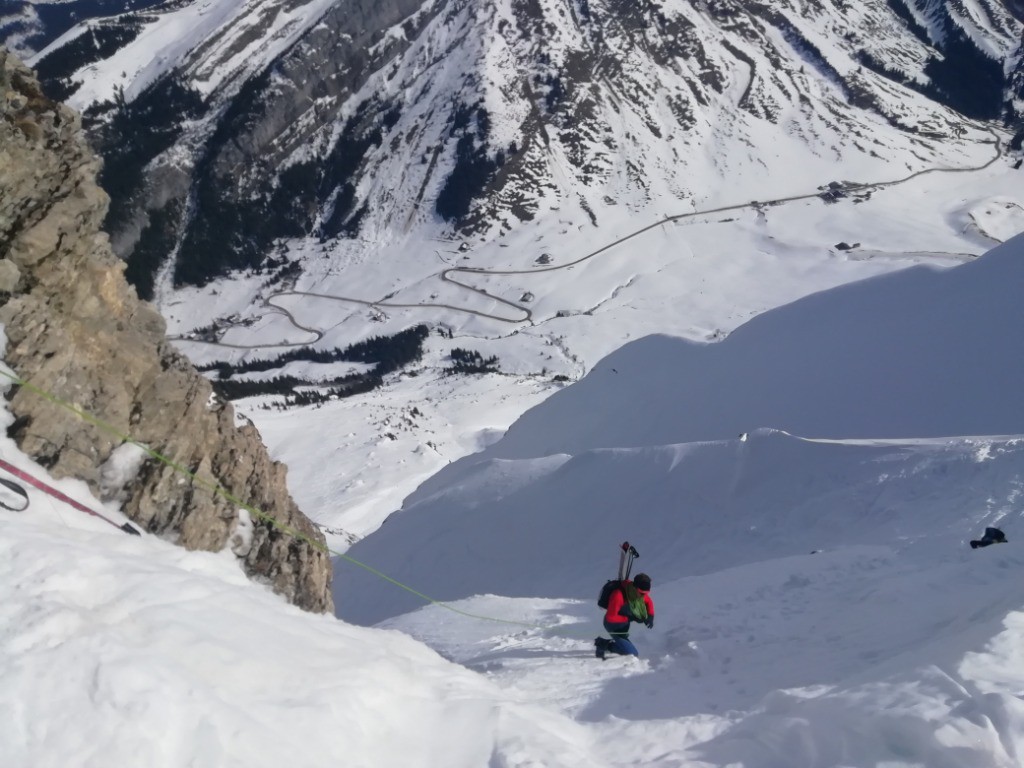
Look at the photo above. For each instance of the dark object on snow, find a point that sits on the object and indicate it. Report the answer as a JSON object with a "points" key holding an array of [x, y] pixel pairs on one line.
{"points": [[13, 496], [992, 536]]}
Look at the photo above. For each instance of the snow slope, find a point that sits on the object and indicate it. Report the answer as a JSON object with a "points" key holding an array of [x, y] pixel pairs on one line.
{"points": [[920, 353], [120, 650], [236, 40], [691, 509], [913, 355], [698, 279], [817, 605]]}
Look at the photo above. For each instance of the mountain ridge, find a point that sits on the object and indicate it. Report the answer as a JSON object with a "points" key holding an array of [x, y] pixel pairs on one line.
{"points": [[467, 119]]}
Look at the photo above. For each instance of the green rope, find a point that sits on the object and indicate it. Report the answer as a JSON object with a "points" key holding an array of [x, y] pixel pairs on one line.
{"points": [[252, 510]]}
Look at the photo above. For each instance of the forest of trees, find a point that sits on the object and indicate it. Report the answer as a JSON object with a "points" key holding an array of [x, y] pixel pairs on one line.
{"points": [[468, 361], [386, 353]]}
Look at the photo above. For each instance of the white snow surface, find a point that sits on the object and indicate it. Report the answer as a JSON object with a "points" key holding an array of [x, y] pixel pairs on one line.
{"points": [[865, 360], [169, 37], [352, 462], [629, 254], [817, 603]]}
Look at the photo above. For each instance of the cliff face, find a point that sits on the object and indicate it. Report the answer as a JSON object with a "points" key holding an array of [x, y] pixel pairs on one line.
{"points": [[77, 329]]}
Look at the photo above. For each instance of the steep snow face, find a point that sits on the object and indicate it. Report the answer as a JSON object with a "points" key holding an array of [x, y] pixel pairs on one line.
{"points": [[866, 360], [124, 650], [902, 372], [398, 120], [549, 527], [216, 42], [28, 26]]}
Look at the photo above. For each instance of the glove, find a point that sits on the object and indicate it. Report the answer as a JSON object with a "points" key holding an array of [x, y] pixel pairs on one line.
{"points": [[649, 621]]}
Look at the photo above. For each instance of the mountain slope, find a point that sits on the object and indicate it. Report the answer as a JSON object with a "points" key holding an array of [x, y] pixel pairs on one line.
{"points": [[901, 651], [398, 121], [865, 360], [123, 650], [917, 354]]}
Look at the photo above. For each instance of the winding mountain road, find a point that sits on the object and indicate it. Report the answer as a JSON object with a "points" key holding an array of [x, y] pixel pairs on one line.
{"points": [[526, 314]]}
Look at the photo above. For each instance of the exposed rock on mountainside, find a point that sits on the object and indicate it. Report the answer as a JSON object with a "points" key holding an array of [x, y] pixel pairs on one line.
{"points": [[77, 329]]}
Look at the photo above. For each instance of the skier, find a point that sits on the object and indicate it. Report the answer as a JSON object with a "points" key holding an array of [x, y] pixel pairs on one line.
{"points": [[630, 602]]}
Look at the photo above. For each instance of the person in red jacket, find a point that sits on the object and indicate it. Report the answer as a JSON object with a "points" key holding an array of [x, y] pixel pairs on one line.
{"points": [[631, 602]]}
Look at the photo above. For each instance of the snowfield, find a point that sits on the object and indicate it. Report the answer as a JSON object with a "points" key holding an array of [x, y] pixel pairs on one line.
{"points": [[697, 280], [817, 601], [778, 349]]}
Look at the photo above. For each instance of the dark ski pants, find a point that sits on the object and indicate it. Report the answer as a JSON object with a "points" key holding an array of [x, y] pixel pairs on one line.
{"points": [[621, 643]]}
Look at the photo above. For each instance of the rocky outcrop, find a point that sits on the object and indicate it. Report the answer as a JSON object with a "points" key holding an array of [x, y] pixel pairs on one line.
{"points": [[76, 329]]}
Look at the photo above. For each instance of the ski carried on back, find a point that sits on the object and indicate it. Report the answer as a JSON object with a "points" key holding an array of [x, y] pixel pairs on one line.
{"points": [[627, 554]]}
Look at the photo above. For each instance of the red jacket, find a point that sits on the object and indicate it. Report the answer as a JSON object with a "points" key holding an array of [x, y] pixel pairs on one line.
{"points": [[617, 602]]}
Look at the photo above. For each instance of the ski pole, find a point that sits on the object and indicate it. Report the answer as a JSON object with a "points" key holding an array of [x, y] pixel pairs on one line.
{"points": [[49, 489]]}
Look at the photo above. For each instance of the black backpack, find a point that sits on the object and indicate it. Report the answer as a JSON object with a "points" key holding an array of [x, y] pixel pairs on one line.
{"points": [[606, 592]]}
